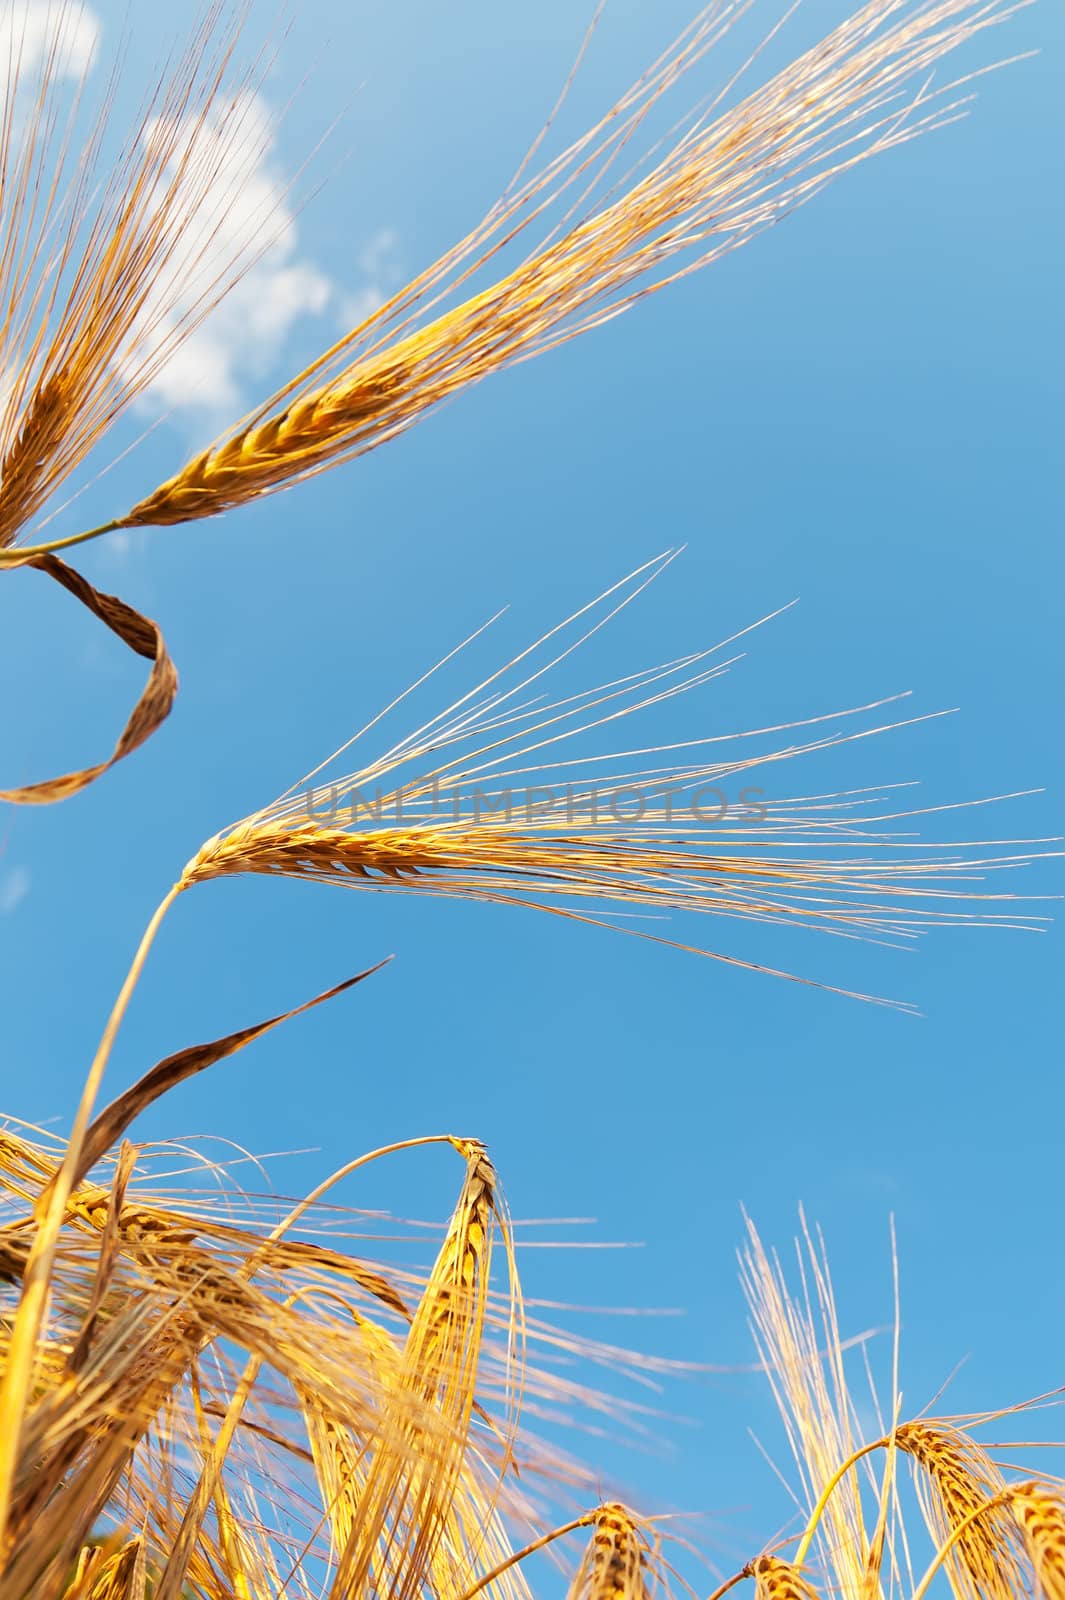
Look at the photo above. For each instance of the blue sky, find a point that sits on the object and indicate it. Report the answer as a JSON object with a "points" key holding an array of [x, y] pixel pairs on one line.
{"points": [[861, 409]]}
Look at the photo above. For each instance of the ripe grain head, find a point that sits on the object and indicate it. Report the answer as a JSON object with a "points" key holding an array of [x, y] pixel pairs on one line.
{"points": [[775, 1579], [732, 171], [960, 1484], [1039, 1510], [368, 1433], [621, 1560], [486, 802]]}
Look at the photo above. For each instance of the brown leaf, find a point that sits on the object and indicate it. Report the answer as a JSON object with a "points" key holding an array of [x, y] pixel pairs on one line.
{"points": [[113, 1121], [143, 637]]}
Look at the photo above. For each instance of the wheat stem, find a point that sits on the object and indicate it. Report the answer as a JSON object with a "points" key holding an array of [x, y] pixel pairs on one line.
{"points": [[50, 1211], [528, 1550], [827, 1493], [730, 1583], [25, 554]]}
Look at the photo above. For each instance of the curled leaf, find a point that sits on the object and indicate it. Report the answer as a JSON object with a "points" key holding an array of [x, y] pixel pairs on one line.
{"points": [[144, 638]]}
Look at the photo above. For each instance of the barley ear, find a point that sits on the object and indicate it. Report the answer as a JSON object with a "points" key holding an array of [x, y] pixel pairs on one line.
{"points": [[728, 177], [1040, 1514], [615, 1565], [407, 1510], [960, 1489], [775, 1579]]}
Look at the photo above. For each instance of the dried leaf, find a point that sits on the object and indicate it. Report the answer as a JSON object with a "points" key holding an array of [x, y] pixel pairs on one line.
{"points": [[143, 637], [113, 1121]]}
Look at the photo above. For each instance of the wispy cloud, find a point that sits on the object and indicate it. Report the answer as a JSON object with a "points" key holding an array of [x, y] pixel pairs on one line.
{"points": [[30, 30], [378, 273], [14, 887], [240, 228], [246, 217]]}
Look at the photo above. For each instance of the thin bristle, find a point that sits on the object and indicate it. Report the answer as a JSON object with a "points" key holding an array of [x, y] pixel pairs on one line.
{"points": [[730, 174], [798, 1340], [494, 809], [100, 282]]}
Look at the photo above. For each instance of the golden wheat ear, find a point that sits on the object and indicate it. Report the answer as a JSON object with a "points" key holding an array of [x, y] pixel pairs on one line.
{"points": [[775, 1579], [619, 1563], [732, 171], [961, 1489], [1039, 1509], [490, 801]]}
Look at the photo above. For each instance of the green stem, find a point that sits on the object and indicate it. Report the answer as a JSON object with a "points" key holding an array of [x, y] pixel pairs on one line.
{"points": [[20, 556]]}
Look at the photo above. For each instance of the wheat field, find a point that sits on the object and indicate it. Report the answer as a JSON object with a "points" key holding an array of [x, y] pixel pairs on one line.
{"points": [[207, 1391]]}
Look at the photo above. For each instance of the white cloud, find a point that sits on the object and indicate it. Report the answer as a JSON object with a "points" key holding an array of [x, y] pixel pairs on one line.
{"points": [[234, 208], [31, 29], [377, 265], [238, 211], [14, 887]]}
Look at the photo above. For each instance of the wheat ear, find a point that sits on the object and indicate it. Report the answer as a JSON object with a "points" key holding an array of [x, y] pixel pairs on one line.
{"points": [[728, 177], [965, 1510], [729, 173], [1040, 1513], [775, 1579], [615, 1565], [485, 802]]}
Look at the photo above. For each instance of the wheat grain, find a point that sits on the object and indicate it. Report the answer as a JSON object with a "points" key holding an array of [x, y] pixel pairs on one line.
{"points": [[983, 1563], [1040, 1514], [615, 1565], [730, 174], [779, 1580]]}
